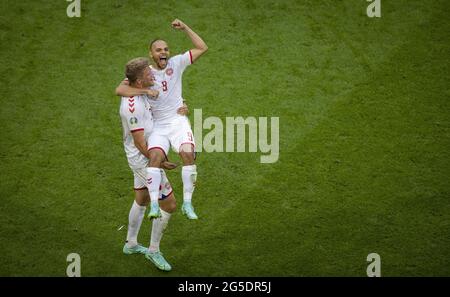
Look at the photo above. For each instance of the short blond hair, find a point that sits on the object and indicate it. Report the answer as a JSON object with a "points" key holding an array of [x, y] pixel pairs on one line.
{"points": [[135, 68]]}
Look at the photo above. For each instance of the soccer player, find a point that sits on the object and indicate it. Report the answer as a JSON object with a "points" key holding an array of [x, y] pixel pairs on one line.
{"points": [[170, 129], [137, 123]]}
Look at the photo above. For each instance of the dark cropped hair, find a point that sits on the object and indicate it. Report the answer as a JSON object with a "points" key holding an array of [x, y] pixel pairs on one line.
{"points": [[153, 41]]}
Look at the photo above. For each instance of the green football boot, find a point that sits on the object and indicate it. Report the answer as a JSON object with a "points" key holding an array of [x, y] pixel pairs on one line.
{"points": [[137, 249], [188, 210], [159, 261], [154, 211]]}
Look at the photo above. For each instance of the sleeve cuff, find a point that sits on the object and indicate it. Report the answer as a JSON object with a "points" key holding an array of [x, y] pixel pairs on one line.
{"points": [[135, 130]]}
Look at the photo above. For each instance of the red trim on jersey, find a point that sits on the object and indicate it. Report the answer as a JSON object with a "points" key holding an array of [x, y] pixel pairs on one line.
{"points": [[159, 148], [140, 189], [140, 129], [190, 56]]}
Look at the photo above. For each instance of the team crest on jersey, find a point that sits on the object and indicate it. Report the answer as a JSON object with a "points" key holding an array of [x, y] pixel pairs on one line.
{"points": [[133, 121], [169, 71]]}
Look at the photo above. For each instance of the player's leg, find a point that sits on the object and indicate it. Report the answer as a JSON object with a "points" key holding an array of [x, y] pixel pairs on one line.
{"points": [[168, 206], [167, 203], [189, 177], [136, 214], [183, 143], [157, 151]]}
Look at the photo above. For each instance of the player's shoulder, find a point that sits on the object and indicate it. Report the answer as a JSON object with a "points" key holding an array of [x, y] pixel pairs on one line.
{"points": [[131, 104], [138, 98], [176, 58]]}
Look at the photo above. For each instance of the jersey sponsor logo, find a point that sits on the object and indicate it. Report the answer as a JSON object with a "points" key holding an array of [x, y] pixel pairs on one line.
{"points": [[133, 121], [169, 71]]}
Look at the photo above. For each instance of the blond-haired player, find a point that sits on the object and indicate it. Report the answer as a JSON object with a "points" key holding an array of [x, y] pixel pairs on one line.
{"points": [[137, 123]]}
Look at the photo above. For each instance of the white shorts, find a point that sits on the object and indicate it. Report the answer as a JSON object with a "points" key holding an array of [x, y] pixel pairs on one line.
{"points": [[140, 182], [173, 134]]}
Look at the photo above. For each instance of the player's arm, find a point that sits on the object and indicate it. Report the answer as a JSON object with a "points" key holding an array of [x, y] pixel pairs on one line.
{"points": [[200, 46], [124, 89], [139, 141], [141, 144]]}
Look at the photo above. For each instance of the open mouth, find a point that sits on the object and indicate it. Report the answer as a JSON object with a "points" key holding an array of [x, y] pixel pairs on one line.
{"points": [[162, 61]]}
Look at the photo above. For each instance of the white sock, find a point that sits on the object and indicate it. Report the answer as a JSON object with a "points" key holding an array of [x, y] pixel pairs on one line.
{"points": [[153, 177], [134, 223], [189, 176], [158, 227]]}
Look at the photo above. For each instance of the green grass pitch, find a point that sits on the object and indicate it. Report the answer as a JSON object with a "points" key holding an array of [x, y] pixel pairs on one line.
{"points": [[364, 111]]}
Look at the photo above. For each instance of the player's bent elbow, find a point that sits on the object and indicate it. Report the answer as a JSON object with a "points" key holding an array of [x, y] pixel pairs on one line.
{"points": [[119, 91]]}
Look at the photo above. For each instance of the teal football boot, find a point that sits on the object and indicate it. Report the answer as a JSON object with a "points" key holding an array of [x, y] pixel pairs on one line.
{"points": [[188, 210], [137, 249], [159, 261]]}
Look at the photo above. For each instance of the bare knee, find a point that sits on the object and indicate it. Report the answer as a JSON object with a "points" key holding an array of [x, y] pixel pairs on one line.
{"points": [[141, 197], [187, 157], [187, 154], [169, 205], [156, 158]]}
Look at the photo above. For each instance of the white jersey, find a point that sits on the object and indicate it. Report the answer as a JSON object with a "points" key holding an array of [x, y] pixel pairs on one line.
{"points": [[169, 84], [136, 116]]}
